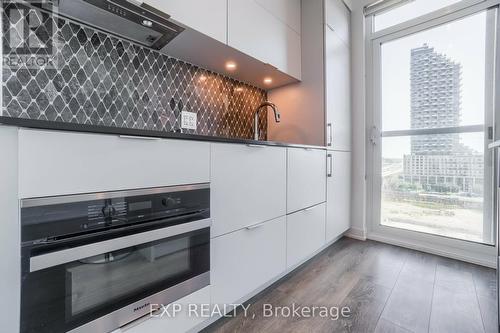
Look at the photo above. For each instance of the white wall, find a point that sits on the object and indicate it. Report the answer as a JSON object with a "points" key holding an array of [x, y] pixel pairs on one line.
{"points": [[359, 128]]}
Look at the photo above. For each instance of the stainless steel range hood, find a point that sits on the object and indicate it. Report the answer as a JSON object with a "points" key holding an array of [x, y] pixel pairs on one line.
{"points": [[131, 19]]}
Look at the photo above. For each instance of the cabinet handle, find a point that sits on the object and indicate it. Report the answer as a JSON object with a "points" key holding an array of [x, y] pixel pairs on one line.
{"points": [[255, 146], [134, 137], [330, 165], [329, 127], [255, 226]]}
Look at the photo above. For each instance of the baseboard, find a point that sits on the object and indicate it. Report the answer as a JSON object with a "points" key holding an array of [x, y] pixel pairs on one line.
{"points": [[466, 256], [356, 233]]}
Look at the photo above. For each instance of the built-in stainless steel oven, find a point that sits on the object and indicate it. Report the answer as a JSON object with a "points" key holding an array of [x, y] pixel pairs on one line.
{"points": [[95, 262]]}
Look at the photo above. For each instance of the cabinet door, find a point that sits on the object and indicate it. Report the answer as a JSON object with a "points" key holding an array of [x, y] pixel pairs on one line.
{"points": [[338, 213], [208, 17], [288, 11], [338, 92], [244, 260], [255, 31], [248, 185], [306, 181], [59, 163], [338, 18], [305, 233]]}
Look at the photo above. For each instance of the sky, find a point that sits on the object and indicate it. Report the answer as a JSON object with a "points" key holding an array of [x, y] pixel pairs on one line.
{"points": [[462, 41]]}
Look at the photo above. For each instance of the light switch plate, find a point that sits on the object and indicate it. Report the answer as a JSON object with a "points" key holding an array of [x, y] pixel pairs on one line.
{"points": [[188, 120]]}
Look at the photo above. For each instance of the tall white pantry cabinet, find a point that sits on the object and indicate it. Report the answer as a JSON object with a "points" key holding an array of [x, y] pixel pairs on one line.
{"points": [[338, 117]]}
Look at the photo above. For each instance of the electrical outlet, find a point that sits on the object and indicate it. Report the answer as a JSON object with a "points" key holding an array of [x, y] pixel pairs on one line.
{"points": [[188, 120]]}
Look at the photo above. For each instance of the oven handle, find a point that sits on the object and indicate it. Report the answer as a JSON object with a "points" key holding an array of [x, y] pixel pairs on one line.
{"points": [[52, 259]]}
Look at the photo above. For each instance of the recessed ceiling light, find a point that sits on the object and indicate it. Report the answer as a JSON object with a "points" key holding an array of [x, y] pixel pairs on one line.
{"points": [[230, 65], [239, 89], [202, 78], [268, 80]]}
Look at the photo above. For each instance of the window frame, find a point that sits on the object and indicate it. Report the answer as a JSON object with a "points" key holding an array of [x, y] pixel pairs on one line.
{"points": [[460, 249], [423, 19]]}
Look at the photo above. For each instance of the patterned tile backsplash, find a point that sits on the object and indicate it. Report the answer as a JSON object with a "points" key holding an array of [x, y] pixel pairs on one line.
{"points": [[98, 79]]}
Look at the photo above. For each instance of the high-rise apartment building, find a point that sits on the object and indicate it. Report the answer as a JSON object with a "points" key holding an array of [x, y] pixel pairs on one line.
{"points": [[435, 100], [439, 162]]}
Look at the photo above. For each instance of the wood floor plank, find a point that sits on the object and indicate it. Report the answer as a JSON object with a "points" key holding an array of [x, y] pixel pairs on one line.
{"points": [[366, 302], [421, 266], [385, 326], [455, 306], [488, 308], [383, 264], [485, 281], [454, 311], [453, 276], [409, 305]]}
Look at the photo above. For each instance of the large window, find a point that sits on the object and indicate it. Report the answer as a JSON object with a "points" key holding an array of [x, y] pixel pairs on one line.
{"points": [[431, 85]]}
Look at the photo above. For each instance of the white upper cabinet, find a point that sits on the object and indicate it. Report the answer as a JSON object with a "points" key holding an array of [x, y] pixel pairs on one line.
{"points": [[208, 17], [338, 18], [267, 31], [338, 92], [288, 11]]}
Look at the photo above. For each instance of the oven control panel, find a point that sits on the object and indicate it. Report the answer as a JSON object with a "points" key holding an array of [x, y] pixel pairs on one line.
{"points": [[51, 217]]}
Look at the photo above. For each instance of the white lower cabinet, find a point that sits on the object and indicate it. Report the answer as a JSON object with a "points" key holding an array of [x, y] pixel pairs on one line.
{"points": [[306, 183], [183, 321], [305, 233], [244, 260], [338, 216], [248, 185], [58, 163]]}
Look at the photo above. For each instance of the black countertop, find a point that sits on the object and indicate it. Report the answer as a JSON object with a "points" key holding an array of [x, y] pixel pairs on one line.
{"points": [[60, 126]]}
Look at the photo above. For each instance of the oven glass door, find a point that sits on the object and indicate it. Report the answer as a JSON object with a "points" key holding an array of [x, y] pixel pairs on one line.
{"points": [[66, 296]]}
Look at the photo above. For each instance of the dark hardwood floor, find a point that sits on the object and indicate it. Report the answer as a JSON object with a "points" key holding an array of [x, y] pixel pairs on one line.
{"points": [[387, 288]]}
